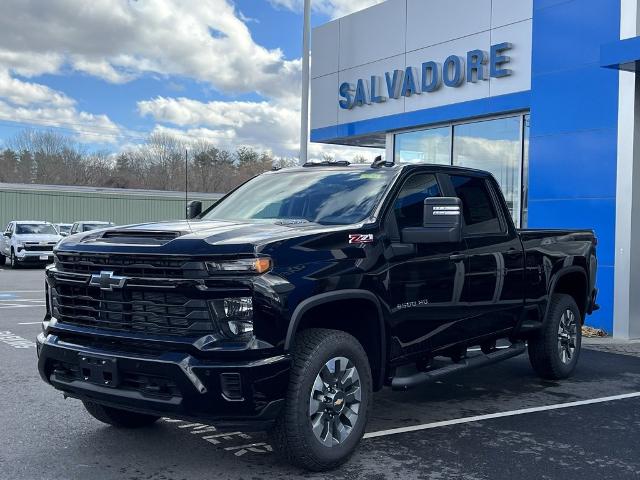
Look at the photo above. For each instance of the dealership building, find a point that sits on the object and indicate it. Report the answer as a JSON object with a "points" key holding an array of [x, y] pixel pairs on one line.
{"points": [[542, 93]]}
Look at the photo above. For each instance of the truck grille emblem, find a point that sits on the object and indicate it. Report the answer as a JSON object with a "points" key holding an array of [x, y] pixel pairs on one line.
{"points": [[107, 281]]}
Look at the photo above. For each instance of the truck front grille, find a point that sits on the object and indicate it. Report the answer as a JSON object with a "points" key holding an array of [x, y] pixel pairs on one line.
{"points": [[34, 247], [131, 310], [141, 266]]}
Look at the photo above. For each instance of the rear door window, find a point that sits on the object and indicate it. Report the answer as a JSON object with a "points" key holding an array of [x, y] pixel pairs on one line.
{"points": [[478, 207]]}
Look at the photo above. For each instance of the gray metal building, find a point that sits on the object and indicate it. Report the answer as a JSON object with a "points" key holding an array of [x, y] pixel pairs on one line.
{"points": [[67, 204]]}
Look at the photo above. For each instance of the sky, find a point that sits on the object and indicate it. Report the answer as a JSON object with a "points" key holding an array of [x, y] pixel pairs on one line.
{"points": [[111, 72]]}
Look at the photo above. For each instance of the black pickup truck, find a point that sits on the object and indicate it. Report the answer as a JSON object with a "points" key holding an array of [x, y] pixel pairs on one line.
{"points": [[301, 292]]}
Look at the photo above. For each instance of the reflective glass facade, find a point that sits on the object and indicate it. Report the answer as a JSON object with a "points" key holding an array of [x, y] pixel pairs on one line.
{"points": [[498, 145]]}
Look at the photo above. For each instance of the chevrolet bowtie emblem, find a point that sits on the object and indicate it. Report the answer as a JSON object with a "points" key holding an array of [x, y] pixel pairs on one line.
{"points": [[107, 281], [339, 401]]}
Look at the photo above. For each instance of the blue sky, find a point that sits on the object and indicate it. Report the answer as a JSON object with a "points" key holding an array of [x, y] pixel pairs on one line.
{"points": [[110, 72]]}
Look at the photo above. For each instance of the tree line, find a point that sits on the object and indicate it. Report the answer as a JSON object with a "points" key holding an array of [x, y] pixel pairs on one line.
{"points": [[47, 157]]}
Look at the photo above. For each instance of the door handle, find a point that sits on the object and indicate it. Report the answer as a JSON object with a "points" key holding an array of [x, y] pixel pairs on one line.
{"points": [[457, 257]]}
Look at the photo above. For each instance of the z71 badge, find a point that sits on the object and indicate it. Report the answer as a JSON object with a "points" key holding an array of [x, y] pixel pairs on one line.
{"points": [[357, 239]]}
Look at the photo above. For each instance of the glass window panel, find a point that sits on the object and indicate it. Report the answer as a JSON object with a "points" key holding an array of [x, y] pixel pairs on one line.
{"points": [[478, 209], [525, 172], [409, 206], [424, 146], [494, 146]]}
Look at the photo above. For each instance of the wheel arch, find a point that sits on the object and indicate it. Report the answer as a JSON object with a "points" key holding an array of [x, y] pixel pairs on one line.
{"points": [[306, 315], [572, 281]]}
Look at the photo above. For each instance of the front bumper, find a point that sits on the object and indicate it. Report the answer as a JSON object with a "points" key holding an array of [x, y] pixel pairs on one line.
{"points": [[34, 256], [172, 383]]}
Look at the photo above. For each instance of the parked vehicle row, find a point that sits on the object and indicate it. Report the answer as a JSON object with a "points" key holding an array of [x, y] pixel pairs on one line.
{"points": [[32, 241]]}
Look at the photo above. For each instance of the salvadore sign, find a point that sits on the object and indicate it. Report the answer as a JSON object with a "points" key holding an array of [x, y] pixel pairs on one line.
{"points": [[431, 76]]}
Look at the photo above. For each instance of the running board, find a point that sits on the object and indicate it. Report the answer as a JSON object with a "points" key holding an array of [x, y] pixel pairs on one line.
{"points": [[405, 383]]}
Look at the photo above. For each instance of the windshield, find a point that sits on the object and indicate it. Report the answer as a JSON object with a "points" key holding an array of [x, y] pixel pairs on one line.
{"points": [[327, 197], [35, 229], [94, 226]]}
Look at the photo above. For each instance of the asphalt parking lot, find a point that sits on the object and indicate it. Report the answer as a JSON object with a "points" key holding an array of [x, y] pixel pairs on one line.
{"points": [[501, 422]]}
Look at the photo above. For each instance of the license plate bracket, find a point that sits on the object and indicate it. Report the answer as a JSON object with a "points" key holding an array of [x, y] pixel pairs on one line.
{"points": [[44, 257], [99, 370]]}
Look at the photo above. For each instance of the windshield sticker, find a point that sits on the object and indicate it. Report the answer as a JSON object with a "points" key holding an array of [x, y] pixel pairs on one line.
{"points": [[372, 176], [358, 239]]}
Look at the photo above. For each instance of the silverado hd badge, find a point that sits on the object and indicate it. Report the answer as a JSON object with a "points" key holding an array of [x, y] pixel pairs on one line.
{"points": [[358, 239]]}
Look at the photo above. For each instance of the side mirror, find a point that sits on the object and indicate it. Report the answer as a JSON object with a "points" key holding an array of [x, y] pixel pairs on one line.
{"points": [[442, 222], [7, 234], [194, 208]]}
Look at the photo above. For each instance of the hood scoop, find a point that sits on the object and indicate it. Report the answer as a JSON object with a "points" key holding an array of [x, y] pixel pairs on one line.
{"points": [[139, 237]]}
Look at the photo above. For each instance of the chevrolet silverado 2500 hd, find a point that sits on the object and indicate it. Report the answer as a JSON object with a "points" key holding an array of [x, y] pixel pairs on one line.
{"points": [[301, 292]]}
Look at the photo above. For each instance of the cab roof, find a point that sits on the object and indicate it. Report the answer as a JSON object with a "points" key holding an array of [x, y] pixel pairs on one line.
{"points": [[395, 167]]}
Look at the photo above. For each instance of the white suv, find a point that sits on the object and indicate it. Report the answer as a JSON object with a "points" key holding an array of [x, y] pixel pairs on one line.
{"points": [[28, 241]]}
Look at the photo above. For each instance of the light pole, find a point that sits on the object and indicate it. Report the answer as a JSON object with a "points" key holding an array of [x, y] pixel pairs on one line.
{"points": [[304, 110]]}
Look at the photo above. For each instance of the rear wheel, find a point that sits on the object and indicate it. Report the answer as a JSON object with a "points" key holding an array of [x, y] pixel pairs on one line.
{"points": [[327, 403], [554, 352], [119, 418]]}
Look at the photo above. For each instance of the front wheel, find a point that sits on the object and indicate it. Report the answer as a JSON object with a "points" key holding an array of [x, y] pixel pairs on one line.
{"points": [[327, 403], [119, 418], [13, 263], [554, 352]]}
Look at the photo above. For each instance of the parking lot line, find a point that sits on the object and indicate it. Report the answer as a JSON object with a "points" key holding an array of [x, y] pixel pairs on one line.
{"points": [[30, 323], [478, 418]]}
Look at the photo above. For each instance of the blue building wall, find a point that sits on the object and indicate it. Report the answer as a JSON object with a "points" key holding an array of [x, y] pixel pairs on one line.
{"points": [[574, 108]]}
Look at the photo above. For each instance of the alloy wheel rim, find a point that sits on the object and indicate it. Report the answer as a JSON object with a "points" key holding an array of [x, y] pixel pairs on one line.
{"points": [[334, 403], [567, 336]]}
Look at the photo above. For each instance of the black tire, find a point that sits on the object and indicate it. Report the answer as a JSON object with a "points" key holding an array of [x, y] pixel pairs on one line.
{"points": [[3, 259], [13, 263], [119, 418], [293, 437], [547, 347]]}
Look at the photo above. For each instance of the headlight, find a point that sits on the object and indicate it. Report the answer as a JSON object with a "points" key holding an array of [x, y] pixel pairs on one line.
{"points": [[234, 315], [244, 265]]}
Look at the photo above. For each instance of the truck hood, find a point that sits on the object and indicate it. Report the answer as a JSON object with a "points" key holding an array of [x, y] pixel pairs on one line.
{"points": [[36, 238], [194, 236]]}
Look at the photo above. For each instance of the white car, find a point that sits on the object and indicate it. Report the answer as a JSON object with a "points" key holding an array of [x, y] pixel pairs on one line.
{"points": [[87, 225], [28, 241]]}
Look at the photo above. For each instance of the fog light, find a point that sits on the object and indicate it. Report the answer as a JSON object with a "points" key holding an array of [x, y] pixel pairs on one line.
{"points": [[234, 315]]}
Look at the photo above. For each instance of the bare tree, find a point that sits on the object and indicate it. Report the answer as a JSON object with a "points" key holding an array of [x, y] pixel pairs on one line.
{"points": [[47, 157]]}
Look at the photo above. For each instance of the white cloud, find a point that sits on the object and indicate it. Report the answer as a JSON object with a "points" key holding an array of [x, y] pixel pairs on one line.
{"points": [[25, 93], [120, 40], [35, 104], [117, 40], [333, 8], [260, 125]]}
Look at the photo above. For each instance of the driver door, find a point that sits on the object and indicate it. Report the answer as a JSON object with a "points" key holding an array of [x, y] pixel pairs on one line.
{"points": [[424, 287]]}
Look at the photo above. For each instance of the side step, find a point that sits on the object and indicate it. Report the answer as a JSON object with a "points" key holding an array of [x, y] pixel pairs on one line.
{"points": [[405, 383]]}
